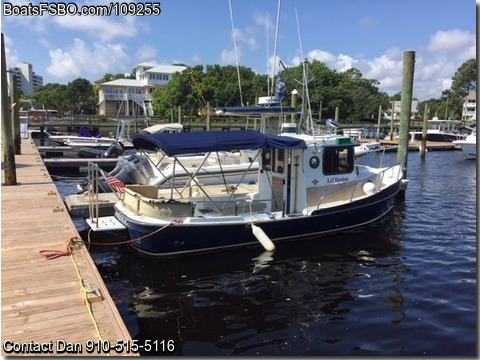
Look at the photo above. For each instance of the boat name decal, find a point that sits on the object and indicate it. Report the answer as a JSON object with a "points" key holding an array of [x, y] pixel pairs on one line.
{"points": [[336, 179]]}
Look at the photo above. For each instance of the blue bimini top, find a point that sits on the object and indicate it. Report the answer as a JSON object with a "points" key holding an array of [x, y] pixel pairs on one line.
{"points": [[210, 141]]}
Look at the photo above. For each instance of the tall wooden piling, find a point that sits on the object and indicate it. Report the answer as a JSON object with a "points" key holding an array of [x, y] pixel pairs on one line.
{"points": [[423, 147], [208, 116], [15, 114], [379, 122], [6, 124], [392, 120], [293, 104], [406, 108]]}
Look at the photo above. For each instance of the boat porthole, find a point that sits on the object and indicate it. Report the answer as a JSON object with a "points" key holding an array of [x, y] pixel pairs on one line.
{"points": [[314, 162]]}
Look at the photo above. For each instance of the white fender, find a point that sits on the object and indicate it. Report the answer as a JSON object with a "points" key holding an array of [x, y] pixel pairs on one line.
{"points": [[263, 238]]}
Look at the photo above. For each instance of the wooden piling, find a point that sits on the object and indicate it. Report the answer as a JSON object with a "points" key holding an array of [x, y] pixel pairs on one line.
{"points": [[406, 108], [6, 124], [423, 147], [15, 113], [379, 122], [293, 104], [208, 116]]}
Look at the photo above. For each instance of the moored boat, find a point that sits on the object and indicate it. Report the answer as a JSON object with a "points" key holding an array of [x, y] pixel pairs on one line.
{"points": [[469, 145], [307, 185], [439, 130]]}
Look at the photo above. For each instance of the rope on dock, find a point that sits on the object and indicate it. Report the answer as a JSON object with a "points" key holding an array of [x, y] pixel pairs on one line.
{"points": [[88, 304], [53, 254]]}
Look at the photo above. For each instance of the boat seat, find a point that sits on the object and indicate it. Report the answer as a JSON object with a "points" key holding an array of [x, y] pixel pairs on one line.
{"points": [[143, 200]]}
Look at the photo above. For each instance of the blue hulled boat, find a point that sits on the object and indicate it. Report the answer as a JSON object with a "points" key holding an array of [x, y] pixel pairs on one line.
{"points": [[307, 185]]}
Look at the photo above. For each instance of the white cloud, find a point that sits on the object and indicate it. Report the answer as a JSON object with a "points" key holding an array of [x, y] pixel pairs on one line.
{"points": [[11, 55], [146, 52], [435, 63], [196, 59], [345, 62], [453, 42], [101, 27], [227, 57], [246, 38], [37, 24], [82, 60], [264, 20]]}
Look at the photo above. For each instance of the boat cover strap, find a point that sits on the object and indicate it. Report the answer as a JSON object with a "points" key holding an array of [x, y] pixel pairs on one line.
{"points": [[210, 141]]}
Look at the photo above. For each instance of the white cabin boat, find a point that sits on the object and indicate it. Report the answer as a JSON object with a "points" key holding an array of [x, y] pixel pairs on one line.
{"points": [[306, 185]]}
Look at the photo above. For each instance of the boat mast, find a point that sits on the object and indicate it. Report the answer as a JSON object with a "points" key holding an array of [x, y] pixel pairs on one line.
{"points": [[236, 54], [275, 46]]}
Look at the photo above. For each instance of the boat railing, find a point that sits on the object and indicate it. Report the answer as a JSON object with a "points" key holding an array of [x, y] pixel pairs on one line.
{"points": [[94, 172], [359, 188], [92, 192]]}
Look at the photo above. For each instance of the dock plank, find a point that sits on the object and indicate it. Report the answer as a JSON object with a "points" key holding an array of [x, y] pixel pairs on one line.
{"points": [[42, 300]]}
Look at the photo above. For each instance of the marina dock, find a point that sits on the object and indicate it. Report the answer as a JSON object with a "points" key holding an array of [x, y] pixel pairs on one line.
{"points": [[50, 307]]}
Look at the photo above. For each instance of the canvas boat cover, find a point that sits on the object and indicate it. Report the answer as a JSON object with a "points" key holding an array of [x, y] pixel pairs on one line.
{"points": [[210, 141]]}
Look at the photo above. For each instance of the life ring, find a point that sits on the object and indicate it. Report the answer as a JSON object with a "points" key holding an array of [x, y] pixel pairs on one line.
{"points": [[35, 118]]}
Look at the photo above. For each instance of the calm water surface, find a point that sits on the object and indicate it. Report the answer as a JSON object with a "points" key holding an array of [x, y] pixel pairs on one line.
{"points": [[403, 286]]}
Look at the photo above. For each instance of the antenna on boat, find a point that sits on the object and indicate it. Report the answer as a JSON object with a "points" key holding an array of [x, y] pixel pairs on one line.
{"points": [[268, 62], [306, 107], [275, 47], [235, 49]]}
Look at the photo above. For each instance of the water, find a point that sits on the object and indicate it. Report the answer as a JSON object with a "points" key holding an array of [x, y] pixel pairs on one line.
{"points": [[403, 286]]}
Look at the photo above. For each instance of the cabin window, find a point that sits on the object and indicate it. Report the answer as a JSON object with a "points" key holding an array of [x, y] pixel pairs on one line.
{"points": [[278, 160], [273, 160], [267, 159], [338, 160]]}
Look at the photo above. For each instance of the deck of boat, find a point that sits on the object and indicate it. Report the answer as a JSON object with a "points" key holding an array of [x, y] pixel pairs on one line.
{"points": [[42, 300]]}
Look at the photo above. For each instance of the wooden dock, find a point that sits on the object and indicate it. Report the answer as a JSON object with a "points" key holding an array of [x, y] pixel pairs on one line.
{"points": [[392, 145], [44, 306]]}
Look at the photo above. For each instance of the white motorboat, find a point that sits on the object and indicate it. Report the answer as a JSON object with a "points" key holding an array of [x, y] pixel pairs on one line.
{"points": [[469, 145], [440, 131], [126, 127]]}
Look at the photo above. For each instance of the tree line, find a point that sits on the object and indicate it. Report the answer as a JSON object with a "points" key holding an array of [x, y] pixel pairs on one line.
{"points": [[355, 96]]}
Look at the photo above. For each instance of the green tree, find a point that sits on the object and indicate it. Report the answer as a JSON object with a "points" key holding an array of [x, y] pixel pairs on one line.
{"points": [[463, 82], [465, 79], [80, 95], [51, 96]]}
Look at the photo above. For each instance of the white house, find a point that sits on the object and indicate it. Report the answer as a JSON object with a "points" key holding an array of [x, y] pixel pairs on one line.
{"points": [[469, 111], [132, 97], [397, 110]]}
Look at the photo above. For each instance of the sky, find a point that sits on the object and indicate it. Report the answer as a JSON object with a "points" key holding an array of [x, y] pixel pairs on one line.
{"points": [[369, 35]]}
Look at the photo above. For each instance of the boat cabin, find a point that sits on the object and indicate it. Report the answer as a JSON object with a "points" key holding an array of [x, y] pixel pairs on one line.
{"points": [[300, 178]]}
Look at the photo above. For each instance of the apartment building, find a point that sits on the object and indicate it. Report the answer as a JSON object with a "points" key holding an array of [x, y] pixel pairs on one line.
{"points": [[27, 80], [132, 97]]}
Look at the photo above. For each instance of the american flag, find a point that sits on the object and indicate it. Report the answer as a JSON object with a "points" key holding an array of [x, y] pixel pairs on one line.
{"points": [[117, 185]]}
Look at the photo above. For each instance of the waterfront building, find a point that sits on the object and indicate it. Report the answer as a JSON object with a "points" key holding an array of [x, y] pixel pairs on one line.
{"points": [[397, 110], [132, 97], [27, 80], [469, 111]]}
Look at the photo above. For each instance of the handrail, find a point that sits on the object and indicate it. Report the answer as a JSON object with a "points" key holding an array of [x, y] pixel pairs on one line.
{"points": [[93, 203]]}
